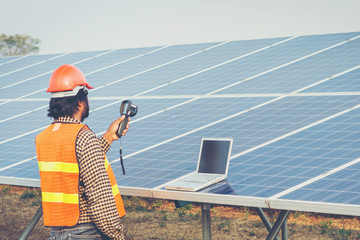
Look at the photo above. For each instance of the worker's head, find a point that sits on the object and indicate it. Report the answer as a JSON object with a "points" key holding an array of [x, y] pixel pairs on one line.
{"points": [[69, 91]]}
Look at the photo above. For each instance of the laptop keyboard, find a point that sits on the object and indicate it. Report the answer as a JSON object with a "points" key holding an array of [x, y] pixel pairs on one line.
{"points": [[200, 178]]}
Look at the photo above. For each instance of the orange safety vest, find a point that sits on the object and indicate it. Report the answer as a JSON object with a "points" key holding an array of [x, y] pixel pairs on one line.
{"points": [[59, 175]]}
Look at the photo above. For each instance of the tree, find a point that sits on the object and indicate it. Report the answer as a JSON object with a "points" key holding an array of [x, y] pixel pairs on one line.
{"points": [[18, 45]]}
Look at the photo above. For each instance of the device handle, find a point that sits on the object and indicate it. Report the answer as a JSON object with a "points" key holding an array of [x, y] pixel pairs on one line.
{"points": [[122, 126]]}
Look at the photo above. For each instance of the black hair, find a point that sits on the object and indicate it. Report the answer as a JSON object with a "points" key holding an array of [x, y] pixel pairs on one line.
{"points": [[66, 106]]}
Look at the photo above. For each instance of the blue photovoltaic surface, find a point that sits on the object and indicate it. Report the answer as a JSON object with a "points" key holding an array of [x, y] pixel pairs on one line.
{"points": [[28, 88], [48, 66], [184, 68], [23, 63], [334, 149], [38, 79], [349, 82], [112, 57], [135, 73], [290, 104], [248, 67], [6, 60], [307, 71], [248, 130], [11, 109]]}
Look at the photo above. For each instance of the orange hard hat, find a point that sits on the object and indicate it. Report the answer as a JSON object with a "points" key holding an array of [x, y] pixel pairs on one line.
{"points": [[66, 81]]}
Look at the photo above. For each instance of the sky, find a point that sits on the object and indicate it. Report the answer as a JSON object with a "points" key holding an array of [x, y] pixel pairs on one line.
{"points": [[89, 25]]}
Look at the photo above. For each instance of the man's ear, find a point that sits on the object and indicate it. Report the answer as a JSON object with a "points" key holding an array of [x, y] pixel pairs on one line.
{"points": [[81, 105]]}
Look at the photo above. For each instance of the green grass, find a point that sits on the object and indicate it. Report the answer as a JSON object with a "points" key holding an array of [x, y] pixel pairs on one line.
{"points": [[28, 194]]}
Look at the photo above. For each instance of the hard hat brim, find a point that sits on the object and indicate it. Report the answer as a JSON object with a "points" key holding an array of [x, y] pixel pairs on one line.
{"points": [[69, 93]]}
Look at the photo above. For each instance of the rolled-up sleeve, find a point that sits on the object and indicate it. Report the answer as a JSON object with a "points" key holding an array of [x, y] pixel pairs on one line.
{"points": [[105, 146], [97, 188]]}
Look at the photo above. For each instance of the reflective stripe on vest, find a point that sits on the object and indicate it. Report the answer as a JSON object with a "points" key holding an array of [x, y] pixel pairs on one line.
{"points": [[115, 189], [60, 197], [58, 167]]}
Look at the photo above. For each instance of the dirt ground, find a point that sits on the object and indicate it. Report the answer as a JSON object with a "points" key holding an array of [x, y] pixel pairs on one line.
{"points": [[159, 219]]}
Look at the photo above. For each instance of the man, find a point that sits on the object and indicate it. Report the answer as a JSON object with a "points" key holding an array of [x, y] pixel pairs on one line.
{"points": [[79, 191]]}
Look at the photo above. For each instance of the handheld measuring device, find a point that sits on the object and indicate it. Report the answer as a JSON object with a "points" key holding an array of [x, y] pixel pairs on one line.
{"points": [[128, 109]]}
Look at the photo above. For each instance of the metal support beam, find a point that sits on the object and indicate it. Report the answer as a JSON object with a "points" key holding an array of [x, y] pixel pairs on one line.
{"points": [[32, 224], [278, 224], [265, 220], [284, 230], [206, 221]]}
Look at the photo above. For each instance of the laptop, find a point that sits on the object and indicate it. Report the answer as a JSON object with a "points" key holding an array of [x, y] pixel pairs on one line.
{"points": [[212, 166]]}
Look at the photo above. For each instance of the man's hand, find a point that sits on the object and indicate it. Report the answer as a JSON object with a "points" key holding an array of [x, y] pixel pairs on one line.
{"points": [[110, 135]]}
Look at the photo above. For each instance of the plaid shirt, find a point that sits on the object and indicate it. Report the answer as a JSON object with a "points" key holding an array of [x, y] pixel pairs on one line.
{"points": [[97, 203]]}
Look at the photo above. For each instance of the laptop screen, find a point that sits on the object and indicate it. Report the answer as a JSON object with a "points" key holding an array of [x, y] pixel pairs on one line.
{"points": [[214, 156]]}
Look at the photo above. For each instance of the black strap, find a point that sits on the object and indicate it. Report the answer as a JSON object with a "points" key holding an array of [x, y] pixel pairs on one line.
{"points": [[122, 161]]}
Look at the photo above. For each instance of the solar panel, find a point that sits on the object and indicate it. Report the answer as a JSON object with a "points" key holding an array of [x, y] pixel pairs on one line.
{"points": [[290, 104]]}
